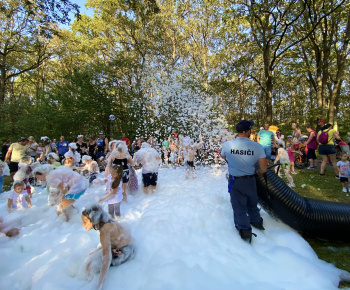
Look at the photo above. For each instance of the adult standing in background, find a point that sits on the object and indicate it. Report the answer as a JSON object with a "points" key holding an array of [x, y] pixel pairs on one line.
{"points": [[320, 125], [102, 145], [264, 138], [311, 144], [15, 153], [32, 146], [125, 139], [92, 147], [242, 155], [279, 135], [81, 146], [296, 134], [327, 149], [62, 147]]}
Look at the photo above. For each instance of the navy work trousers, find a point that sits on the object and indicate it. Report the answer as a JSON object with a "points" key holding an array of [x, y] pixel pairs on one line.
{"points": [[244, 200]]}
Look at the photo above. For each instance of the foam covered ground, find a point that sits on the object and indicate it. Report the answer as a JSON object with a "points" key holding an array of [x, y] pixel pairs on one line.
{"points": [[185, 239]]}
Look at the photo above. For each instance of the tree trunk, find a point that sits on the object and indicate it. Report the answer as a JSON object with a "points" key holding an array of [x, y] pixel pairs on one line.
{"points": [[341, 59], [268, 83], [2, 85]]}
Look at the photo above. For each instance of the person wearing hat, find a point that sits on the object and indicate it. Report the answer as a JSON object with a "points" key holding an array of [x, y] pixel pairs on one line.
{"points": [[242, 155], [102, 145], [62, 147], [264, 138], [16, 152], [320, 125]]}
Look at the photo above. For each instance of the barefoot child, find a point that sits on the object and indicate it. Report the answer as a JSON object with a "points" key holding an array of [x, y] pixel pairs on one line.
{"points": [[291, 152], [283, 158], [343, 167], [150, 160], [116, 245], [18, 197], [114, 190], [190, 156]]}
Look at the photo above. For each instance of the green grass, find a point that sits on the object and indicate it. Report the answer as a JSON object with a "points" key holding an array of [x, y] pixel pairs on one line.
{"points": [[310, 184]]}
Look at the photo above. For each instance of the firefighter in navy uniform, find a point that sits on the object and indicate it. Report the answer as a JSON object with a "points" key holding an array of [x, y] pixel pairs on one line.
{"points": [[242, 156]]}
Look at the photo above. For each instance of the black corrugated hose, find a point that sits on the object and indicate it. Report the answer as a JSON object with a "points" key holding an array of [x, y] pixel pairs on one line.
{"points": [[314, 218]]}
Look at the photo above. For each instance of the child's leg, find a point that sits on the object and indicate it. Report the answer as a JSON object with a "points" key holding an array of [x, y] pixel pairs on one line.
{"points": [[289, 177], [124, 186], [117, 209], [111, 210], [292, 166]]}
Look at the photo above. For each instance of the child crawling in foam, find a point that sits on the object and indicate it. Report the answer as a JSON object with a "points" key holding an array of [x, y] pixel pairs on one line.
{"points": [[116, 247]]}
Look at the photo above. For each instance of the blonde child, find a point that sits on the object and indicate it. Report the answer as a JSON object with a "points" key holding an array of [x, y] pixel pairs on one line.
{"points": [[53, 159], [343, 168], [19, 197], [114, 190], [90, 168], [24, 173], [283, 158]]}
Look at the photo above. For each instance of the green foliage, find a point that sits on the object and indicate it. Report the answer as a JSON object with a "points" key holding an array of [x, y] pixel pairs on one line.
{"points": [[234, 60]]}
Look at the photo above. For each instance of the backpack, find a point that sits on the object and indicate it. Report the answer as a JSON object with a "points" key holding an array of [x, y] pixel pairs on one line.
{"points": [[323, 138]]}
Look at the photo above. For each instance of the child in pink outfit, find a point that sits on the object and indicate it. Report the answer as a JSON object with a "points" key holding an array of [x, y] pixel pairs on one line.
{"points": [[291, 158]]}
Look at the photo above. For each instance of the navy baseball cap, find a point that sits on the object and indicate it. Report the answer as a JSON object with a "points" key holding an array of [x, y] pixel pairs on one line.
{"points": [[244, 126]]}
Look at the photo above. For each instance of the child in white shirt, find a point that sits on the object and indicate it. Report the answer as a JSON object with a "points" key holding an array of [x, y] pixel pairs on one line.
{"points": [[343, 167], [19, 197], [283, 158], [114, 190]]}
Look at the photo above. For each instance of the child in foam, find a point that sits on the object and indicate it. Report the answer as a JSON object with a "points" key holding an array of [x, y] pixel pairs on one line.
{"points": [[19, 197], [115, 247], [114, 190], [90, 168], [343, 167], [66, 186], [24, 173], [150, 160], [5, 229], [190, 156], [291, 152], [283, 158], [75, 154], [120, 156], [53, 159]]}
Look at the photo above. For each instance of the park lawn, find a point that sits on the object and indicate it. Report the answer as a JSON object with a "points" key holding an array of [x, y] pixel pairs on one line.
{"points": [[310, 184]]}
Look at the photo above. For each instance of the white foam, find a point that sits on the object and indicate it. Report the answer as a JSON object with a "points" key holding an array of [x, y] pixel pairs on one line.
{"points": [[185, 239]]}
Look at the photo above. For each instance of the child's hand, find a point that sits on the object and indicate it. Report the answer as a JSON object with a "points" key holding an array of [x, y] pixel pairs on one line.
{"points": [[29, 205], [10, 209], [342, 173]]}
